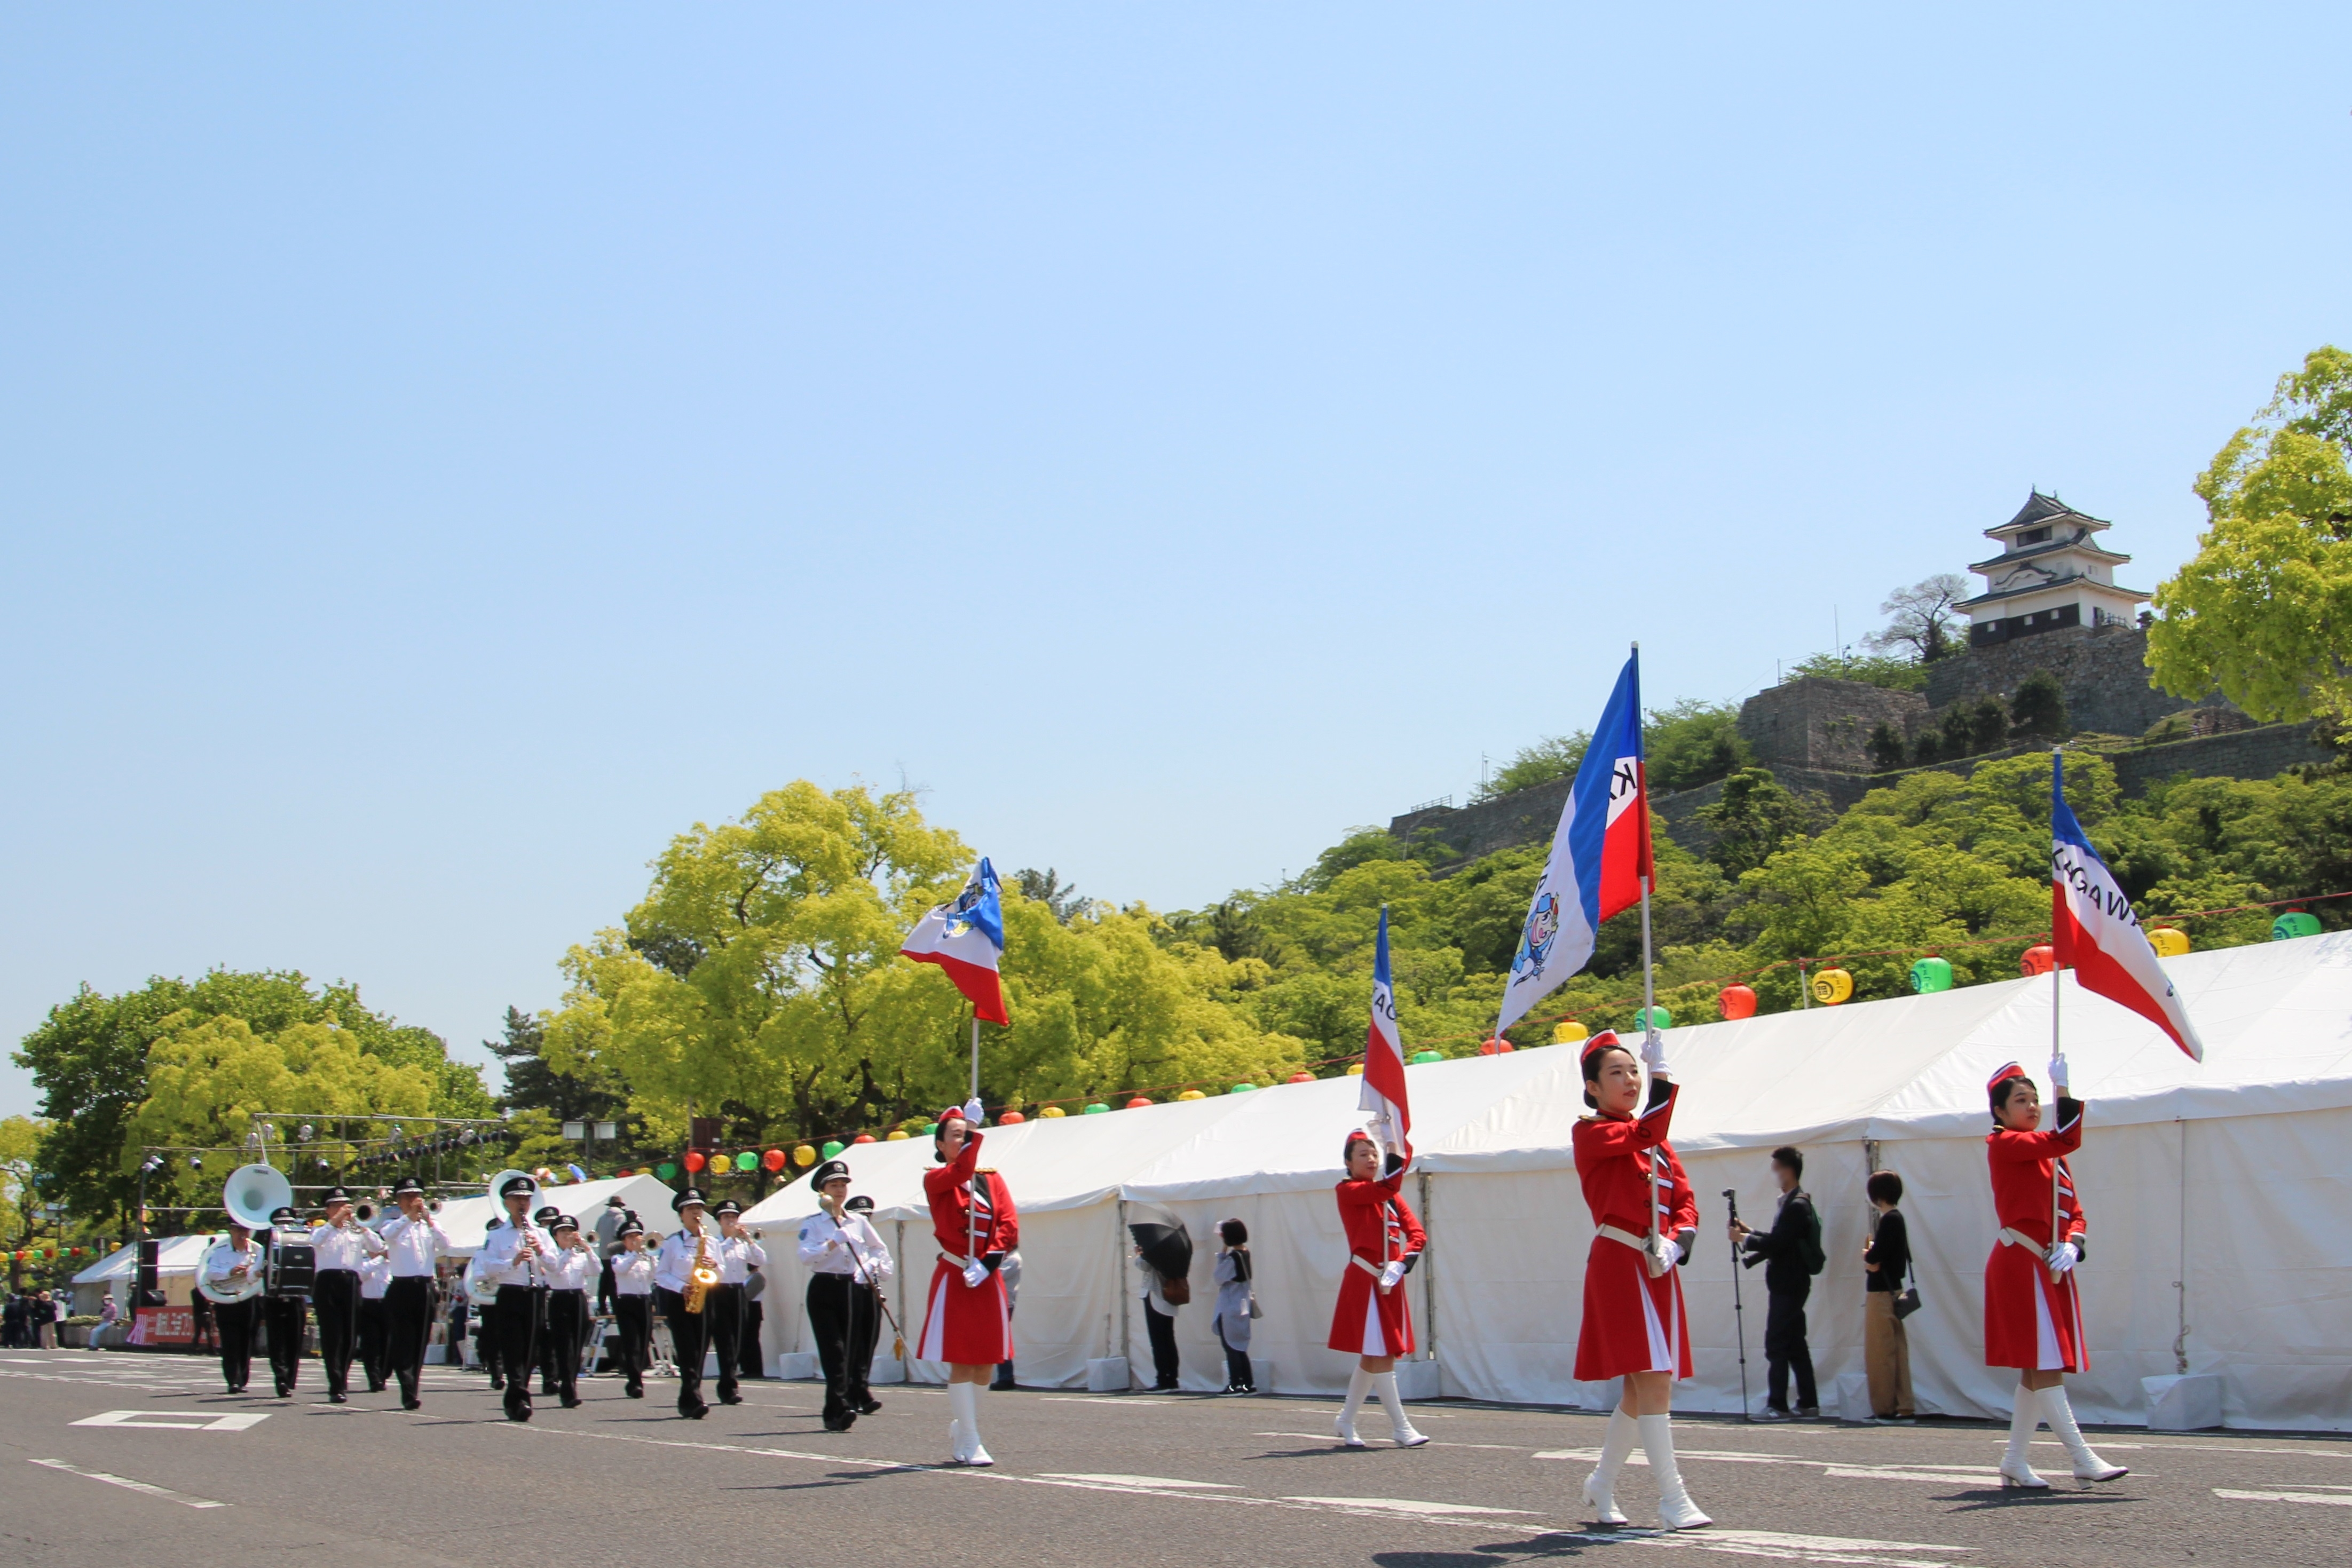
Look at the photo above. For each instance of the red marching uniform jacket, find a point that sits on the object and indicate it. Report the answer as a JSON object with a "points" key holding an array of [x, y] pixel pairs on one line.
{"points": [[2031, 1321], [1382, 1228], [972, 1217], [1632, 1322]]}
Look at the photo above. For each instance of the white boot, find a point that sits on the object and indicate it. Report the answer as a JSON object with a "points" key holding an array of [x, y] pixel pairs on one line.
{"points": [[1676, 1509], [2015, 1470], [1600, 1486], [1360, 1383], [963, 1432], [1399, 1427], [2059, 1412]]}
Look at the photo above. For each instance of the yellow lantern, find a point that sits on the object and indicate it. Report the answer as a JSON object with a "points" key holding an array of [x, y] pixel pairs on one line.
{"points": [[1831, 986], [2170, 941], [1354, 1070], [1568, 1031], [1052, 1114], [803, 1156], [897, 1135], [1192, 1094]]}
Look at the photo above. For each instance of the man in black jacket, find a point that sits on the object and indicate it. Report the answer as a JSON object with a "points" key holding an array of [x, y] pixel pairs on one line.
{"points": [[1791, 1255]]}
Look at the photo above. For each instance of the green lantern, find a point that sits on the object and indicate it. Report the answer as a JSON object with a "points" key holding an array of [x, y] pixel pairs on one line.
{"points": [[1097, 1109], [1643, 1016], [1419, 1057], [747, 1161], [832, 1148], [666, 1170], [1931, 975], [2293, 924], [930, 1129]]}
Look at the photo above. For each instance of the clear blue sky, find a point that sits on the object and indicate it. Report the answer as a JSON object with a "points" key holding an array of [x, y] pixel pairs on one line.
{"points": [[446, 450]]}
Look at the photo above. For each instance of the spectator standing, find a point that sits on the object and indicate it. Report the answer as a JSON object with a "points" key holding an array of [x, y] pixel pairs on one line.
{"points": [[1234, 1298], [1886, 1261], [44, 1317], [1791, 1255], [12, 1322], [1160, 1319]]}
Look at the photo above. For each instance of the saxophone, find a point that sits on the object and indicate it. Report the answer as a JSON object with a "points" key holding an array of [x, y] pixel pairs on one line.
{"points": [[702, 1276]]}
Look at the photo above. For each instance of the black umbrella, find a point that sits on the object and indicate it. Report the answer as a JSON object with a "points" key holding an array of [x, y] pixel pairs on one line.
{"points": [[1166, 1245]]}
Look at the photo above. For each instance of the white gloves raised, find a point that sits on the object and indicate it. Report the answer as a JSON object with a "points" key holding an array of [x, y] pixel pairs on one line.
{"points": [[1391, 1274], [1654, 1054], [2063, 1257], [2058, 1074], [975, 1112], [975, 1274]]}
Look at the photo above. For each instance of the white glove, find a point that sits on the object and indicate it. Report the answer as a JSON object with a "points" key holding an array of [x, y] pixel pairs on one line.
{"points": [[975, 1274], [2064, 1257], [975, 1112], [1653, 1055], [2058, 1074], [1668, 1256], [1391, 1274]]}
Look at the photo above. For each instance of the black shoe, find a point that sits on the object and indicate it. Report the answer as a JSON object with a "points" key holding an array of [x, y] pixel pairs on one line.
{"points": [[376, 1388], [636, 1391], [496, 1382], [1164, 1388], [730, 1399], [696, 1414], [338, 1399], [573, 1403], [1003, 1386], [412, 1404], [869, 1406], [522, 1414], [1808, 1412]]}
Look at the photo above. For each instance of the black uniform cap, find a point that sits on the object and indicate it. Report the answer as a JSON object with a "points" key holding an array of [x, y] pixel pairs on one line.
{"points": [[408, 1184], [861, 1203], [686, 1195], [514, 1184], [832, 1170], [728, 1205], [563, 1222], [334, 1195]]}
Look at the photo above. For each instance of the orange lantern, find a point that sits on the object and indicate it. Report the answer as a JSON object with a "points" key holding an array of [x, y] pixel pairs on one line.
{"points": [[1010, 1119], [1737, 1002], [2038, 960], [1300, 1078], [694, 1160], [773, 1161], [1495, 1047], [869, 1137], [1138, 1103]]}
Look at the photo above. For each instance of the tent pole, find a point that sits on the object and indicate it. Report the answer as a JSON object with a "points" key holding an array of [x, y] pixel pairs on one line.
{"points": [[2180, 1286], [1428, 1271], [1119, 1283]]}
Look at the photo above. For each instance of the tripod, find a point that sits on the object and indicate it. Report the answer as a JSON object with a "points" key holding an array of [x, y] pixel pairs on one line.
{"points": [[1738, 1316]]}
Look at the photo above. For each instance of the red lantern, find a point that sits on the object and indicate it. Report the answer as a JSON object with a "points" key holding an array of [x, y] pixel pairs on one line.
{"points": [[1010, 1119], [1495, 1047], [694, 1160], [1138, 1103], [2038, 960], [1300, 1078], [774, 1161], [1737, 1002], [869, 1137]]}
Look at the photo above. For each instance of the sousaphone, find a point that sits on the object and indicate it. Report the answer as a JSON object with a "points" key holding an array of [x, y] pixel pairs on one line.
{"points": [[253, 1193]]}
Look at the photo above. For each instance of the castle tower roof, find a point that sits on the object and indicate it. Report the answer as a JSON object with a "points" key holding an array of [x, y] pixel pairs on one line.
{"points": [[2049, 574]]}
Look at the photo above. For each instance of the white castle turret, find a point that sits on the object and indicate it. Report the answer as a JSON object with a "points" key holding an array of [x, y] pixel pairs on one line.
{"points": [[2049, 574]]}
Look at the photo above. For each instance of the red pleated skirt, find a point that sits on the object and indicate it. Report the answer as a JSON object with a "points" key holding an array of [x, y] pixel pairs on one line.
{"points": [[964, 1326], [1632, 1322]]}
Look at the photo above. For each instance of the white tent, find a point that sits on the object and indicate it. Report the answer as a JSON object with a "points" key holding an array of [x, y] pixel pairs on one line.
{"points": [[174, 1255], [2223, 1178], [466, 1220]]}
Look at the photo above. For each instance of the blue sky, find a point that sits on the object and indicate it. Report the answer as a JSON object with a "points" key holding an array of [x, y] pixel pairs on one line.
{"points": [[445, 453]]}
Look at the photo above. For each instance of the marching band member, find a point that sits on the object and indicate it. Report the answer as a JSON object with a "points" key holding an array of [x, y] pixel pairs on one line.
{"points": [[866, 1328], [282, 1317], [696, 1245], [416, 1243], [965, 1322], [846, 1263], [632, 1303], [1370, 1320], [514, 1257], [1647, 1219], [572, 1274], [485, 1297], [2033, 1311], [375, 1279], [227, 1269], [341, 1245], [724, 1309], [545, 1218]]}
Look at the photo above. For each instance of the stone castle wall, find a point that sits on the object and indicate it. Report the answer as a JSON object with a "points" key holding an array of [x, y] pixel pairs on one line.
{"points": [[2104, 670], [1814, 723]]}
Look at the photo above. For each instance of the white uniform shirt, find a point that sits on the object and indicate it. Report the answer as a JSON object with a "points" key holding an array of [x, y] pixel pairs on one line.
{"points": [[676, 1260], [506, 1261], [375, 1278], [738, 1256], [572, 1268], [345, 1247], [825, 1248], [225, 1257], [414, 1244], [633, 1273]]}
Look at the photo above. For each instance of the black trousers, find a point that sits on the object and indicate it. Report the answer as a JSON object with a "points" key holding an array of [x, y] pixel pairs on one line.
{"points": [[1162, 1328], [843, 1316], [605, 1287], [689, 1337], [335, 1296], [521, 1310], [566, 1339], [486, 1343], [239, 1322], [751, 1357], [633, 1316], [1785, 1349], [1237, 1361], [722, 1309], [281, 1319], [407, 1325], [374, 1343]]}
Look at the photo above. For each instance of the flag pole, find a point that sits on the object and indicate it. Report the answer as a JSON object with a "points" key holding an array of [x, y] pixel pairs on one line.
{"points": [[2057, 973], [975, 1053], [1649, 1034]]}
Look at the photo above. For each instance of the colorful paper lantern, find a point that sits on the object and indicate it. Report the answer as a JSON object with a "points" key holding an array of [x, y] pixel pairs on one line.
{"points": [[1240, 1089], [1354, 1070], [1736, 1001], [1010, 1119], [666, 1170], [897, 1135], [2170, 941], [2293, 924], [2038, 960], [1831, 986], [747, 1161], [1931, 974], [1052, 1114], [1568, 1031], [863, 1139], [833, 1147], [1495, 1047], [1194, 1094], [930, 1129], [1096, 1108], [803, 1156], [1139, 1102], [695, 1160], [1421, 1057], [1642, 1015], [774, 1159], [1300, 1078]]}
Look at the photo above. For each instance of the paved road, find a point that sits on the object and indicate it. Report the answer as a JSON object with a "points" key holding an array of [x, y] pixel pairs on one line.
{"points": [[209, 1480]]}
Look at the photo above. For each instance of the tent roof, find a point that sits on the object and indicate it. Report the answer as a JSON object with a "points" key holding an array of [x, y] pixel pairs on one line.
{"points": [[175, 1255], [467, 1219]]}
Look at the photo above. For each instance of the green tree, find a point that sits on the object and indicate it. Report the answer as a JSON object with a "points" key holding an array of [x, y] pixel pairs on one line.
{"points": [[2038, 708], [1754, 819], [1692, 743], [1886, 748], [1554, 756], [2264, 611]]}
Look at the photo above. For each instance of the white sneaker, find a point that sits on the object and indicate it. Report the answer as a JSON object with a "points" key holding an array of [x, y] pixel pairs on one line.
{"points": [[1602, 1504]]}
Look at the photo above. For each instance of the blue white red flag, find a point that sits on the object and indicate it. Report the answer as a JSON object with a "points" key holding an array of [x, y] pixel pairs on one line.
{"points": [[966, 938], [1383, 1091], [1599, 856], [2096, 933]]}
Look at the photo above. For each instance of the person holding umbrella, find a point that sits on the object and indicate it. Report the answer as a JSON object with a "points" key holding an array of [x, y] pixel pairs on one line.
{"points": [[965, 1320], [1371, 1321], [1163, 1255]]}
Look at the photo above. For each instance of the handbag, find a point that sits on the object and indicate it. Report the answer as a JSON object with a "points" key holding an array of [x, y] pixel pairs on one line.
{"points": [[1255, 1310], [1906, 1300]]}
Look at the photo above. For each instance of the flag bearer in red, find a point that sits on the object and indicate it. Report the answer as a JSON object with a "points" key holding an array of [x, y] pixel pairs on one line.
{"points": [[966, 1322], [1647, 1219], [2033, 1313], [1371, 1322]]}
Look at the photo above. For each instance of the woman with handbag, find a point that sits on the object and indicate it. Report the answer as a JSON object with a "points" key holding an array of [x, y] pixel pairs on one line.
{"points": [[1236, 1305], [1885, 1263]]}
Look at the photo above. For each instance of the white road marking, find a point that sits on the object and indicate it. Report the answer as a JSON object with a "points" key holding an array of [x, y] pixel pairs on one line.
{"points": [[1820, 1542], [2340, 1499], [1402, 1505], [1100, 1399], [1133, 1480], [1435, 1442], [175, 1421], [1951, 1475], [166, 1493]]}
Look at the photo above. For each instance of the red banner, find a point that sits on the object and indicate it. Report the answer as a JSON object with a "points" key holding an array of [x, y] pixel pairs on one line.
{"points": [[164, 1326]]}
